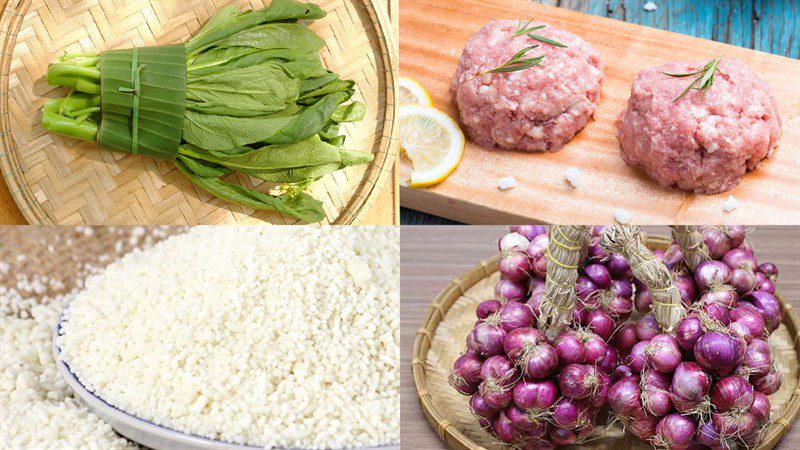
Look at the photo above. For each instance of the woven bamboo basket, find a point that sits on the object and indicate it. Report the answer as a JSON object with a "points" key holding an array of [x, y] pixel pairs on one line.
{"points": [[452, 315], [59, 180]]}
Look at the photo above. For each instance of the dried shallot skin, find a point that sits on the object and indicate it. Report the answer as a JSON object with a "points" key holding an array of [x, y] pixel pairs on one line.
{"points": [[705, 145], [535, 109]]}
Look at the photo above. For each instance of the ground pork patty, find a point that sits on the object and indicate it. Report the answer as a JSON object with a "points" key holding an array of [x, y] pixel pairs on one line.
{"points": [[535, 109], [700, 144]]}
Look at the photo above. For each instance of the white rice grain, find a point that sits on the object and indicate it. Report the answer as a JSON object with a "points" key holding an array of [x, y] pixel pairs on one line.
{"points": [[37, 408], [269, 336]]}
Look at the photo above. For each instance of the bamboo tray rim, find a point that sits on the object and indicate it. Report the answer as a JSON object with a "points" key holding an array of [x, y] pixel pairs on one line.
{"points": [[423, 339], [384, 146]]}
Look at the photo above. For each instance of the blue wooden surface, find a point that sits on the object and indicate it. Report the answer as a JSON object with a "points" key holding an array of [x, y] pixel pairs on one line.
{"points": [[771, 26]]}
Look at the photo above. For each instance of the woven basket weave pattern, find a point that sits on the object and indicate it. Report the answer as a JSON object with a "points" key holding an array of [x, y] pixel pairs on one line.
{"points": [[452, 315], [60, 180]]}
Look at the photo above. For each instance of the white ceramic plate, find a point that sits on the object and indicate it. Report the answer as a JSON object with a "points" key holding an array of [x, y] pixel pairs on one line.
{"points": [[142, 431]]}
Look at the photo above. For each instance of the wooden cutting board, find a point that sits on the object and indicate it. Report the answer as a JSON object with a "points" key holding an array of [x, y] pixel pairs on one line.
{"points": [[433, 34]]}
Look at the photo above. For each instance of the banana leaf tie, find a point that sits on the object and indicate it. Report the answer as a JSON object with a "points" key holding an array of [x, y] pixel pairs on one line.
{"points": [[136, 87]]}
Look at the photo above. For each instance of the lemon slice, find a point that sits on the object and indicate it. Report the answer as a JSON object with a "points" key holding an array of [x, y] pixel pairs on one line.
{"points": [[432, 141], [413, 92]]}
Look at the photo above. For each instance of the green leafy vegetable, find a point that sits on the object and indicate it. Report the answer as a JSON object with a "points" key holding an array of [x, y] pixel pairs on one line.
{"points": [[329, 88], [257, 100], [276, 36], [311, 84], [300, 205], [309, 121], [59, 115], [290, 163], [204, 169], [291, 10], [352, 112], [218, 132], [265, 89]]}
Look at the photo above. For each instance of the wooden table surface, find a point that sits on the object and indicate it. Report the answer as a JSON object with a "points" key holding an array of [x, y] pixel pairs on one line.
{"points": [[431, 256], [769, 26], [384, 211]]}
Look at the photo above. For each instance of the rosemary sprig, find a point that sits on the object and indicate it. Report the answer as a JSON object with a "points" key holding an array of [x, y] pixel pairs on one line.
{"points": [[704, 80], [517, 62], [526, 29], [546, 40]]}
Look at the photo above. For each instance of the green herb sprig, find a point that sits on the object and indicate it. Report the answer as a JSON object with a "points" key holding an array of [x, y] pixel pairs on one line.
{"points": [[517, 62], [704, 80], [526, 29], [546, 40]]}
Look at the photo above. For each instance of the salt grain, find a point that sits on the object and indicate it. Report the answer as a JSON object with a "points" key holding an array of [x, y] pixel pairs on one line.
{"points": [[730, 204], [506, 183], [622, 216], [573, 175]]}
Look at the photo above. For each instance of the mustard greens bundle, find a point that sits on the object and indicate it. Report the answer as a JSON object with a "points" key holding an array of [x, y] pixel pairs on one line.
{"points": [[248, 93]]}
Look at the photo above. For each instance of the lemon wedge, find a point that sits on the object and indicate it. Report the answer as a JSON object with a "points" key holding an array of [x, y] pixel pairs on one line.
{"points": [[413, 92], [433, 142]]}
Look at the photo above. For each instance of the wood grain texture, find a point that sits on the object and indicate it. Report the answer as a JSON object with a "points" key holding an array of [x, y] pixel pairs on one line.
{"points": [[768, 195], [432, 256], [59, 180]]}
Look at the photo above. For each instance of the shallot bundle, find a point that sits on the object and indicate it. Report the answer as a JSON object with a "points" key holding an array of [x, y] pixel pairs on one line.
{"points": [[705, 381], [604, 289], [528, 390], [555, 344]]}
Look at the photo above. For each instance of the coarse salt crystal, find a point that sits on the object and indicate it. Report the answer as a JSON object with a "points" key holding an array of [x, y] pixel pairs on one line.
{"points": [[506, 183], [573, 175], [650, 6], [730, 204], [623, 217]]}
